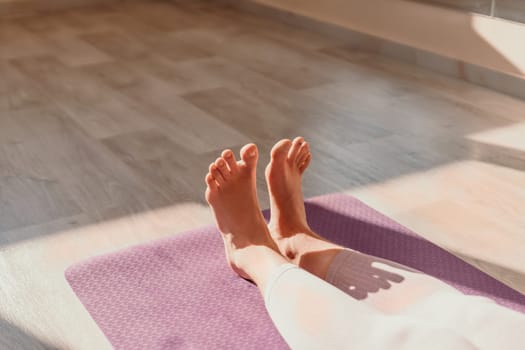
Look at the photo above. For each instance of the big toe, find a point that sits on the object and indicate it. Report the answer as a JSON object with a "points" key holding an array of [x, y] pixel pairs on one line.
{"points": [[280, 149], [250, 154]]}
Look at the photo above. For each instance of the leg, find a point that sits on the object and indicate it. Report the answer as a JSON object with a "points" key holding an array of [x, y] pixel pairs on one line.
{"points": [[411, 293], [384, 285], [312, 314], [357, 274], [308, 312]]}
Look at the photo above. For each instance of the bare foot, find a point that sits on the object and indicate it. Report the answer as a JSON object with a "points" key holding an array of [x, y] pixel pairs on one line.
{"points": [[284, 178], [232, 195], [288, 226]]}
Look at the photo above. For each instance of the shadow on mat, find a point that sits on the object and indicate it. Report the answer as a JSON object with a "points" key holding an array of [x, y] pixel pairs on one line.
{"points": [[363, 274]]}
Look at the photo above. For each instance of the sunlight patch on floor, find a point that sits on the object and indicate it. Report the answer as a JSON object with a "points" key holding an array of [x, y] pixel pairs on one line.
{"points": [[132, 228], [471, 208], [511, 136], [501, 35]]}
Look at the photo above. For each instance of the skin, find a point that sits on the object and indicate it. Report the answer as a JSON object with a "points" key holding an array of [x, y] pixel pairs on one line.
{"points": [[232, 195], [288, 226], [254, 249]]}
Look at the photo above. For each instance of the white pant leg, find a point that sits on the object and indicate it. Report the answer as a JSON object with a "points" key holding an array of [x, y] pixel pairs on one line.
{"points": [[483, 322], [312, 314], [396, 289]]}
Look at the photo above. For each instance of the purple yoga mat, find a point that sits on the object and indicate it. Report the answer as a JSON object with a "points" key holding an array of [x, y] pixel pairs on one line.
{"points": [[179, 293]]}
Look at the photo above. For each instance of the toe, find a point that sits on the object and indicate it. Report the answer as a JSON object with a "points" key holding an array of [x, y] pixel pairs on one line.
{"points": [[294, 150], [281, 148], [214, 171], [229, 157], [249, 155], [305, 164], [210, 181], [223, 168], [303, 153]]}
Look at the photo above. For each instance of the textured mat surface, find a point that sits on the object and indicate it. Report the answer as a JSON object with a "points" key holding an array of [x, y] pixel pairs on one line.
{"points": [[178, 293]]}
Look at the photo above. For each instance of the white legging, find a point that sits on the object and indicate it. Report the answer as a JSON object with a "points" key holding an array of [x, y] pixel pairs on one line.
{"points": [[386, 306]]}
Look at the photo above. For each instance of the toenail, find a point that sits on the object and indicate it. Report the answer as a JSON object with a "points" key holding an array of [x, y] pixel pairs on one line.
{"points": [[221, 163], [228, 154], [252, 153]]}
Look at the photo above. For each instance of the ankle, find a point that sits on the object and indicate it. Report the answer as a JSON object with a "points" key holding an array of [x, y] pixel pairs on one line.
{"points": [[257, 262], [294, 243], [303, 244], [286, 229]]}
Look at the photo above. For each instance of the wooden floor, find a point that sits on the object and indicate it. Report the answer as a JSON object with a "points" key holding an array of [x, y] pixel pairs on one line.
{"points": [[109, 117]]}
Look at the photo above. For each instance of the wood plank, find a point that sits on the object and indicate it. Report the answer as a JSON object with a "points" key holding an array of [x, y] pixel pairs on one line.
{"points": [[100, 111], [17, 91], [187, 125]]}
